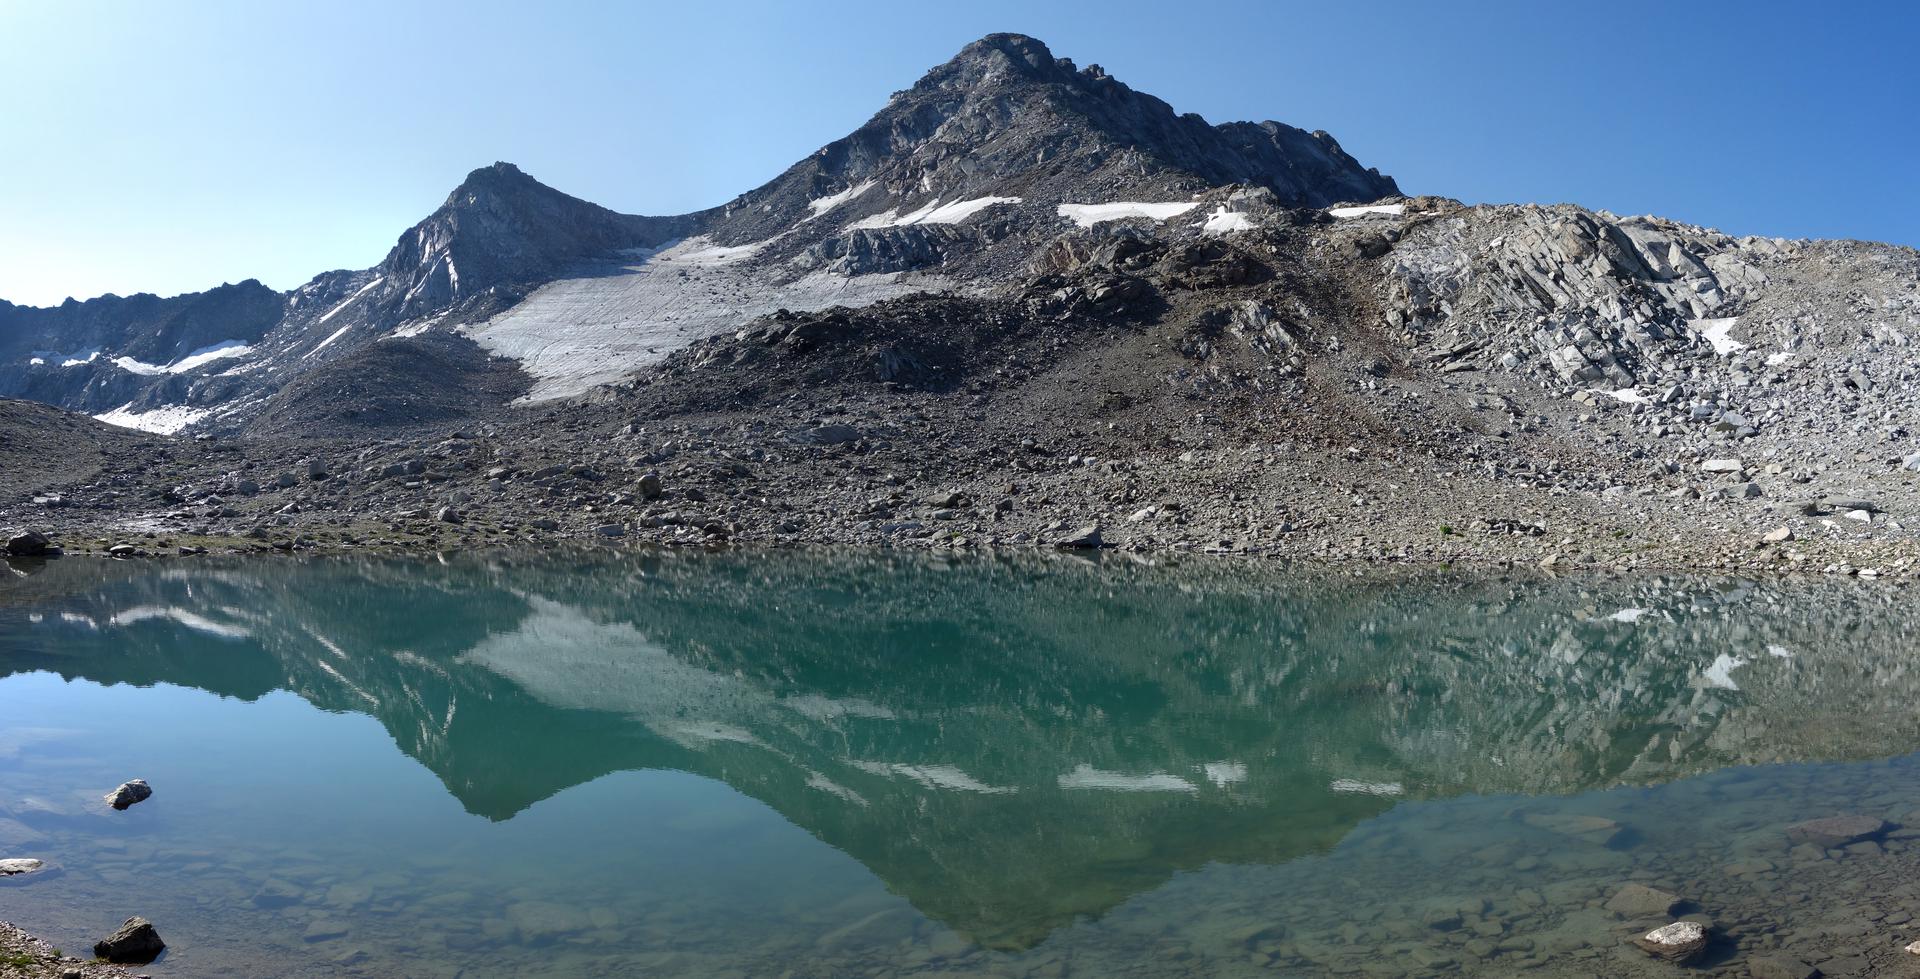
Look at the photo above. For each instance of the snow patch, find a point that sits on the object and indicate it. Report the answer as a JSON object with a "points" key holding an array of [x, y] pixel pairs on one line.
{"points": [[1089, 777], [1365, 209], [821, 205], [1624, 396], [1223, 221], [700, 252], [322, 345], [1776, 359], [1088, 215], [572, 334], [1629, 615], [164, 420], [132, 366], [208, 354], [1718, 332], [349, 300], [932, 212]]}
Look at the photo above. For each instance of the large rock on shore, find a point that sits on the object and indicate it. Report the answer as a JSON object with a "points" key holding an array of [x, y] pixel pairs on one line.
{"points": [[30, 543], [135, 942]]}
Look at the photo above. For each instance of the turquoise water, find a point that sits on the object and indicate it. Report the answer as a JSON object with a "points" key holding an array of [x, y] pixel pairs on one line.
{"points": [[827, 765]]}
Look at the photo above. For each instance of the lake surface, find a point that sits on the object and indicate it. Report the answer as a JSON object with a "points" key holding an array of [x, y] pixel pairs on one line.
{"points": [[832, 765]]}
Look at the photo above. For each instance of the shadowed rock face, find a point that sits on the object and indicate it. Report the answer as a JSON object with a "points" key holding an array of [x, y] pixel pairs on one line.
{"points": [[1010, 744]]}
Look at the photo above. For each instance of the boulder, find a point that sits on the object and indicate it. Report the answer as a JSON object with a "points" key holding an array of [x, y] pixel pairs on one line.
{"points": [[135, 942], [1778, 535], [1677, 942], [831, 435], [29, 543], [1848, 503], [650, 486], [19, 866], [1085, 539], [129, 793], [1836, 831]]}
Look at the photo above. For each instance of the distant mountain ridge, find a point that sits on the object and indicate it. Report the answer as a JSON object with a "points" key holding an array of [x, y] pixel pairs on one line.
{"points": [[1003, 128]]}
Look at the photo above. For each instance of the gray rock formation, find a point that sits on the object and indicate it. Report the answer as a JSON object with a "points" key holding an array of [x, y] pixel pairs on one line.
{"points": [[129, 793], [133, 943]]}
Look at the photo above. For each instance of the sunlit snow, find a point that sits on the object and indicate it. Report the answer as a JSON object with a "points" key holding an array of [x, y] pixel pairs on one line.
{"points": [[349, 300], [932, 212], [1365, 209], [1718, 332], [1223, 221], [208, 354], [821, 205], [1088, 215], [164, 420]]}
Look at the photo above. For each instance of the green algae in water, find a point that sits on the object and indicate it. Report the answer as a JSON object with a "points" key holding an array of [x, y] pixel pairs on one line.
{"points": [[896, 765]]}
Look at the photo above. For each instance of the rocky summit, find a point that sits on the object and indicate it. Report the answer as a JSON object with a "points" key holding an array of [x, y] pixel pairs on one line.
{"points": [[1026, 305]]}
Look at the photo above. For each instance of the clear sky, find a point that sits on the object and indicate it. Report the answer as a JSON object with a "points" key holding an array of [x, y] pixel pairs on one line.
{"points": [[168, 147]]}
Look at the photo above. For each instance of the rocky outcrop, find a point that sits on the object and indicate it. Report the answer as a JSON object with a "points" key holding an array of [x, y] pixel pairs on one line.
{"points": [[133, 943]]}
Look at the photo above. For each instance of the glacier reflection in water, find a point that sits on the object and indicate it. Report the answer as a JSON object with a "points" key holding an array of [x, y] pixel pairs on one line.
{"points": [[889, 764]]}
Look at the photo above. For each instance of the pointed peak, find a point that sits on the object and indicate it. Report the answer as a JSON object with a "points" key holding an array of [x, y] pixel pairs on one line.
{"points": [[1019, 47], [493, 179], [1006, 56]]}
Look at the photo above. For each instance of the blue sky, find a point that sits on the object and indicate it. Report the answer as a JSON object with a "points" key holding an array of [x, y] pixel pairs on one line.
{"points": [[170, 147]]}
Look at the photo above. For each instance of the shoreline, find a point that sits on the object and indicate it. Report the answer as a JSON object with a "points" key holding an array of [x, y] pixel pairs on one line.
{"points": [[24, 956]]}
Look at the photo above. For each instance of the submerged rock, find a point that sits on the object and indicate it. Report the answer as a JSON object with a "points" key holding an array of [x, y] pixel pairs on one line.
{"points": [[1597, 830], [1641, 901], [1836, 831], [20, 866], [134, 942], [1780, 967], [130, 792]]}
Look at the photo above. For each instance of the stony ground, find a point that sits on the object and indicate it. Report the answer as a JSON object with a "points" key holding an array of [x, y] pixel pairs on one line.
{"points": [[23, 956]]}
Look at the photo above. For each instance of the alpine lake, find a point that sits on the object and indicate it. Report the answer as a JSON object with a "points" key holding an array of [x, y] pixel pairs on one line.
{"points": [[879, 764]]}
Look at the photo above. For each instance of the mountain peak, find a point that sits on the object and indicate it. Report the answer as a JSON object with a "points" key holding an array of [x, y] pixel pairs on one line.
{"points": [[498, 178], [1007, 118]]}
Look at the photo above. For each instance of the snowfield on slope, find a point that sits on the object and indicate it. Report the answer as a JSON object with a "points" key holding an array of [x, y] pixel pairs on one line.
{"points": [[931, 213], [164, 420], [574, 334], [1088, 215], [1393, 210]]}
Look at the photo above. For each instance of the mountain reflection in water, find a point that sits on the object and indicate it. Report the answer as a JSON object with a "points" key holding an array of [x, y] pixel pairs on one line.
{"points": [[1009, 744]]}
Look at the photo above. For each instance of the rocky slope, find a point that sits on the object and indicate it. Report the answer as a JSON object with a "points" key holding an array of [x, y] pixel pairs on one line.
{"points": [[1023, 300]]}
